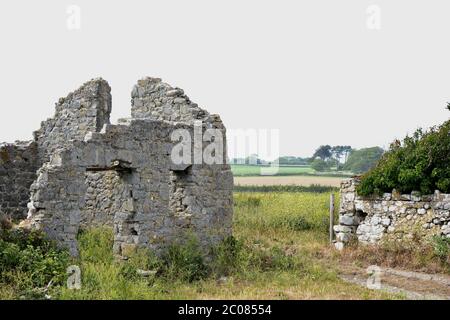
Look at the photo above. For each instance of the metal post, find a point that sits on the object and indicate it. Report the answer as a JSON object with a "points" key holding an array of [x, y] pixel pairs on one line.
{"points": [[331, 216]]}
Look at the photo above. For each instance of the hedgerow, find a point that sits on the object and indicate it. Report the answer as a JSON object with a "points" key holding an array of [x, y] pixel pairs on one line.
{"points": [[420, 162]]}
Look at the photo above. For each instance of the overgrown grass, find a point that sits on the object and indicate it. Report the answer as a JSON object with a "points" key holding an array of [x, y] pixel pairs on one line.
{"points": [[289, 211], [431, 256], [276, 252]]}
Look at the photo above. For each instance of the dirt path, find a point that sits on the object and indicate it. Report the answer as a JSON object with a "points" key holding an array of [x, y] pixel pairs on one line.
{"points": [[412, 285], [287, 180]]}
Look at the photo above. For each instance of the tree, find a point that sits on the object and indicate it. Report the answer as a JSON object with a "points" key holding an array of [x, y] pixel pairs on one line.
{"points": [[363, 160], [323, 152], [320, 165], [347, 150], [289, 160]]}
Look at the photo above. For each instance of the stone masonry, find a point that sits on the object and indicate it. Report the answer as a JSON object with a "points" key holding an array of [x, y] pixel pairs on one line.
{"points": [[93, 173], [390, 217]]}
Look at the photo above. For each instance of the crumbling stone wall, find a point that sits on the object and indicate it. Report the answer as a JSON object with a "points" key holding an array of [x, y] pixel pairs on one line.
{"points": [[18, 166], [391, 217], [123, 175], [85, 110]]}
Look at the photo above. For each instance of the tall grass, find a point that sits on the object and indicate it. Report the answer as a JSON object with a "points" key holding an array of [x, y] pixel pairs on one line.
{"points": [[292, 211], [273, 254]]}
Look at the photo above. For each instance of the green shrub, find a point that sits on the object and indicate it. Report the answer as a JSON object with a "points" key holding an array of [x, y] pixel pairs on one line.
{"points": [[29, 261], [228, 256], [320, 165], [419, 163], [184, 262], [441, 247]]}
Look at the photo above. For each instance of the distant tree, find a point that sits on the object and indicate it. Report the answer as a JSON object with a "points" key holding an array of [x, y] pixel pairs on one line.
{"points": [[293, 161], [346, 150], [323, 152], [253, 160], [320, 165], [363, 160]]}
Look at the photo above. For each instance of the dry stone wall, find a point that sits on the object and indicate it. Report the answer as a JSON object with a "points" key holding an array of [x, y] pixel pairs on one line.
{"points": [[93, 173], [390, 217]]}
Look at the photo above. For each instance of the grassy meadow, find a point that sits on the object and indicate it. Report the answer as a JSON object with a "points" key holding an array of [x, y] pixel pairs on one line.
{"points": [[255, 170], [279, 250], [243, 170]]}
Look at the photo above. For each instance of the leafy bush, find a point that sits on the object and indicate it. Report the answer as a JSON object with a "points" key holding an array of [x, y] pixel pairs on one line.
{"points": [[227, 257], [184, 262], [320, 165], [28, 261], [442, 248], [419, 163]]}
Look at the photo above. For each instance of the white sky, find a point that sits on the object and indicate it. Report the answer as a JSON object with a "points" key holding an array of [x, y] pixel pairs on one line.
{"points": [[309, 68]]}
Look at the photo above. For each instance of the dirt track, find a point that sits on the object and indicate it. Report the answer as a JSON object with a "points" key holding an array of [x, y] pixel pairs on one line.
{"points": [[287, 180]]}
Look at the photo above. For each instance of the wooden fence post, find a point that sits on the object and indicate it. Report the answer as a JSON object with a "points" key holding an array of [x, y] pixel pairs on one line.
{"points": [[331, 216]]}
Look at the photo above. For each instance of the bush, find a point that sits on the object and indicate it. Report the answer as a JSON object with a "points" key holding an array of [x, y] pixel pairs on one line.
{"points": [[28, 261], [228, 256], [441, 248], [320, 165], [419, 163], [184, 262]]}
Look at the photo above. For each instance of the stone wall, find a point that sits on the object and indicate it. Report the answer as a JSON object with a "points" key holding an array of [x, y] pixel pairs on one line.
{"points": [[85, 110], [82, 111], [18, 165], [390, 217], [123, 175], [152, 98]]}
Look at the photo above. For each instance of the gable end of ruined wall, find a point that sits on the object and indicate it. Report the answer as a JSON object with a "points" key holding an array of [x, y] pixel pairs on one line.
{"points": [[85, 110], [123, 176]]}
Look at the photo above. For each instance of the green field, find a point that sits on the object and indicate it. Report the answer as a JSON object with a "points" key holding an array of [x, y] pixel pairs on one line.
{"points": [[255, 170]]}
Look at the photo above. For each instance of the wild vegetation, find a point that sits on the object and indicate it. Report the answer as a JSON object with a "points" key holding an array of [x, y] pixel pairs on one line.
{"points": [[362, 160], [279, 250], [418, 163]]}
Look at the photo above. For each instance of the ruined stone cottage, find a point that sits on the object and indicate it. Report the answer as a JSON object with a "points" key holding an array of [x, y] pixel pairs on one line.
{"points": [[81, 171]]}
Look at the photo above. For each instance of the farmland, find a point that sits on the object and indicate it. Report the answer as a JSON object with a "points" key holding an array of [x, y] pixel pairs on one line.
{"points": [[287, 180], [240, 170], [255, 170]]}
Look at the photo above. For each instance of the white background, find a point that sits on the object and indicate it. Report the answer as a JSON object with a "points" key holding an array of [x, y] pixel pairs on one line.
{"points": [[309, 68]]}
